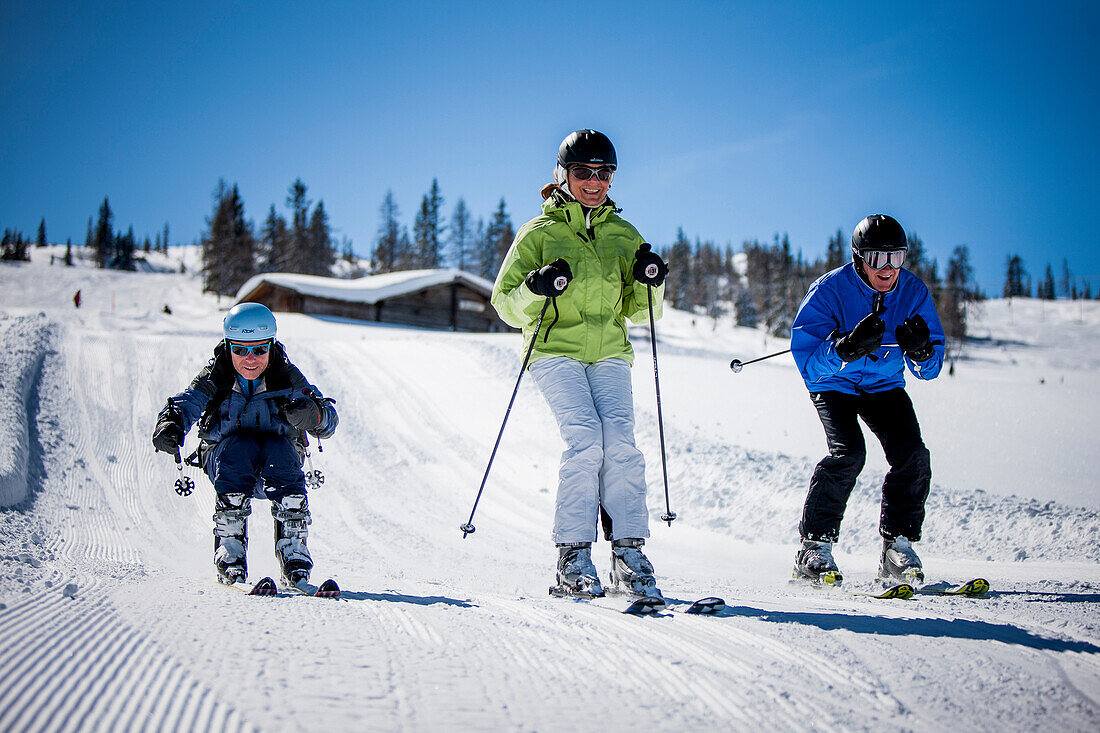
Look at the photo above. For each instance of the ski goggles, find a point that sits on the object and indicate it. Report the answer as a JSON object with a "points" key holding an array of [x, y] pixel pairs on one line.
{"points": [[246, 349], [583, 173], [877, 259]]}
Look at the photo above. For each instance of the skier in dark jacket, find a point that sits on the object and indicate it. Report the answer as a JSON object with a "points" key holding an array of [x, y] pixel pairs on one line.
{"points": [[253, 408], [856, 331]]}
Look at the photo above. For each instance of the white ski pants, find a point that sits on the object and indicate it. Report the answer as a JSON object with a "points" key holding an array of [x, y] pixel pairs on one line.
{"points": [[594, 407]]}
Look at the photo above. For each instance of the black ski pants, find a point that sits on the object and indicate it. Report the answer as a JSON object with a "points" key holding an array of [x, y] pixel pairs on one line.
{"points": [[891, 418]]}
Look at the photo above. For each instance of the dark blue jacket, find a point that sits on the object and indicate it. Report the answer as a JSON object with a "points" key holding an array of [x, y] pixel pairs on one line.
{"points": [[214, 400], [835, 303]]}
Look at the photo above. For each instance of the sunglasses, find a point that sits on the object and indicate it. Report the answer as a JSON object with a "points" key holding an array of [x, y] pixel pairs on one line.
{"points": [[245, 350], [878, 259], [583, 173]]}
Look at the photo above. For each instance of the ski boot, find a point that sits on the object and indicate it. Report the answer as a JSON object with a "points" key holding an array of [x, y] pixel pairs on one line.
{"points": [[576, 574], [231, 537], [814, 562], [292, 520], [631, 570], [899, 562]]}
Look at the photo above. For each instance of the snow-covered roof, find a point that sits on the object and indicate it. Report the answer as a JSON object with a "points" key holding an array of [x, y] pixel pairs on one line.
{"points": [[369, 289]]}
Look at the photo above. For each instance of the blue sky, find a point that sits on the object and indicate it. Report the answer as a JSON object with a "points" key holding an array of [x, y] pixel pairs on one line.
{"points": [[971, 123]]}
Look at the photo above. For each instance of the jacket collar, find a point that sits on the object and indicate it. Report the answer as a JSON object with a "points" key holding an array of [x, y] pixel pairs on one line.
{"points": [[562, 208]]}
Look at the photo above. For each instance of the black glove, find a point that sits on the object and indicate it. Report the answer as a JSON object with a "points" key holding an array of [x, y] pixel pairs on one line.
{"points": [[550, 281], [914, 339], [168, 434], [304, 413], [649, 268], [862, 340]]}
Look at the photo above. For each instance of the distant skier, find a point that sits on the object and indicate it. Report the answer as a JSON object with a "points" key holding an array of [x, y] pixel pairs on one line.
{"points": [[253, 408], [582, 358], [838, 344], [76, 299]]}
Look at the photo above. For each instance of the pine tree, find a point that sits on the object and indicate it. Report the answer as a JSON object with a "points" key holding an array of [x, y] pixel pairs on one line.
{"points": [[228, 247], [164, 239], [916, 260], [103, 239], [124, 251], [40, 241], [1014, 278], [273, 253], [958, 291], [1046, 287], [387, 246], [838, 251], [296, 201], [460, 249], [678, 280], [482, 252], [498, 239], [427, 229], [1064, 286], [69, 252], [322, 256]]}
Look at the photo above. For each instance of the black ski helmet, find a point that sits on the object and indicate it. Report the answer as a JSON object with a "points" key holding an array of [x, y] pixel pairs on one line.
{"points": [[878, 232], [586, 147]]}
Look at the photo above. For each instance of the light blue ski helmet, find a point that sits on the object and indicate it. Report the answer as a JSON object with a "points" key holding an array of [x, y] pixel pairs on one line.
{"points": [[249, 322]]}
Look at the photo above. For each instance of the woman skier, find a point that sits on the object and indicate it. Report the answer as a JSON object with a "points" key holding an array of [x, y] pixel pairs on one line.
{"points": [[594, 268]]}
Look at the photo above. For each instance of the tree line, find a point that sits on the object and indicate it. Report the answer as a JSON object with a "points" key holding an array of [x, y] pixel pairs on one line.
{"points": [[1018, 282], [232, 250], [761, 285], [764, 286]]}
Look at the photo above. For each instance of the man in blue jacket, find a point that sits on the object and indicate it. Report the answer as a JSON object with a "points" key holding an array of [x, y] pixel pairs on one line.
{"points": [[857, 329], [253, 408]]}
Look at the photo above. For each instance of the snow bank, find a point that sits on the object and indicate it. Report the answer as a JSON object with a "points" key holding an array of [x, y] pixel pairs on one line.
{"points": [[22, 340], [757, 496]]}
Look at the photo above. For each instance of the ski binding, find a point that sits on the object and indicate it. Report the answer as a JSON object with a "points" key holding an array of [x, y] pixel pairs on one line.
{"points": [[263, 587]]}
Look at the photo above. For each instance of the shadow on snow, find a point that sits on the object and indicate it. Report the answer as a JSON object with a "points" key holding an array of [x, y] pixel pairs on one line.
{"points": [[404, 598], [928, 627]]}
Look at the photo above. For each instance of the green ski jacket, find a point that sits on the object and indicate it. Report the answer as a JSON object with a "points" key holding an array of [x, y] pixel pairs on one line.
{"points": [[588, 321]]}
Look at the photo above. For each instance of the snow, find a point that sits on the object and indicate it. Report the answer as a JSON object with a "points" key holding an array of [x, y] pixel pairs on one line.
{"points": [[112, 620]]}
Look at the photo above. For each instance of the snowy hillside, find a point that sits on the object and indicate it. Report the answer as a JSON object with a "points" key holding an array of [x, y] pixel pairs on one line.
{"points": [[111, 618]]}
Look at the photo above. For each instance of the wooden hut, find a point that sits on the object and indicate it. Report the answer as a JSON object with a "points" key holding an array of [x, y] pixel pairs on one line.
{"points": [[443, 299]]}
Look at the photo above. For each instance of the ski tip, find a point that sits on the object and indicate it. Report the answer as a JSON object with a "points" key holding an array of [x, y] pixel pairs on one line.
{"points": [[707, 606], [975, 587], [646, 606], [264, 587], [328, 589], [903, 591]]}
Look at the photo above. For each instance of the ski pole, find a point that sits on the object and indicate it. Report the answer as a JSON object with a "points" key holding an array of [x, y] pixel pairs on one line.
{"points": [[736, 365], [184, 485], [469, 528], [669, 515]]}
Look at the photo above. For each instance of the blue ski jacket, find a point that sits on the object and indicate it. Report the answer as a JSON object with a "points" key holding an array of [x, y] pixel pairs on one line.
{"points": [[215, 401], [834, 304]]}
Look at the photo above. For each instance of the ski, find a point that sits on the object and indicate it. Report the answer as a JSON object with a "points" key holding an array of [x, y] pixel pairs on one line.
{"points": [[903, 591], [263, 587], [327, 589], [975, 588], [709, 606], [641, 606]]}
